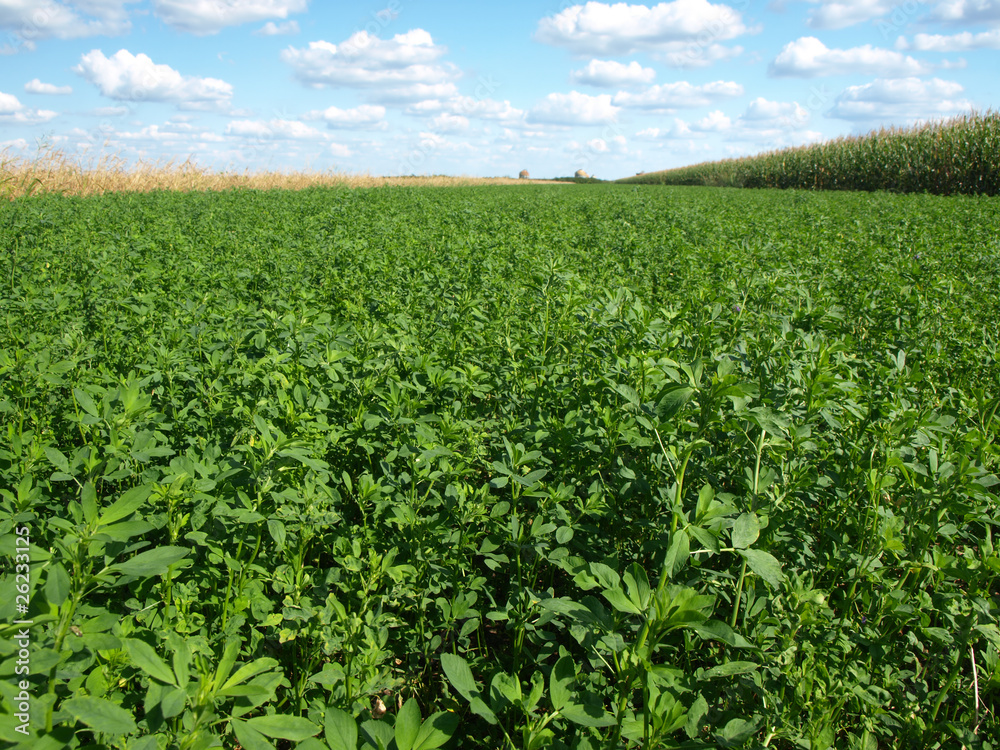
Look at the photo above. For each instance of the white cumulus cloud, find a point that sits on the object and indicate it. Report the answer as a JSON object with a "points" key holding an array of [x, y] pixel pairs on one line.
{"points": [[900, 101], [211, 16], [276, 129], [966, 11], [278, 29], [403, 68], [808, 57], [363, 116], [679, 95], [574, 108], [128, 77], [963, 42], [12, 111], [839, 14], [612, 74], [30, 20], [621, 29], [763, 113], [35, 86]]}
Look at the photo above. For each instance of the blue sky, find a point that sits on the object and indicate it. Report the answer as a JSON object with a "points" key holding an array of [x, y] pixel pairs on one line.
{"points": [[421, 87]]}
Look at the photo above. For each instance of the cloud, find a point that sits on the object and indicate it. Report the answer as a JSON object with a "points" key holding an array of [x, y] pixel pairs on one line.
{"points": [[449, 123], [964, 42], [128, 77], [713, 122], [12, 111], [762, 113], [611, 74], [839, 14], [808, 57], [622, 29], [403, 68], [340, 150], [35, 86], [363, 116], [203, 17], [677, 129], [278, 29], [276, 129], [679, 95], [966, 11], [697, 55], [31, 20], [574, 108], [900, 100]]}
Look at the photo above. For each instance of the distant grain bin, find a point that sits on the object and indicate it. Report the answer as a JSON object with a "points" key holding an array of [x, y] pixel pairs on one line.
{"points": [[524, 175], [581, 173]]}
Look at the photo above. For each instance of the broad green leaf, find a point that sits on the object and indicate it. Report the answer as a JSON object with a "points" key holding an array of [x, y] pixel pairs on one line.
{"points": [[172, 702], [86, 402], [457, 671], [145, 657], [717, 630], [284, 727], [561, 679], [152, 562], [249, 737], [587, 715], [57, 458], [617, 598], [672, 400], [126, 505], [340, 730], [436, 731], [57, 585], [407, 725], [677, 555], [247, 671], [764, 565], [746, 529], [730, 669], [100, 715]]}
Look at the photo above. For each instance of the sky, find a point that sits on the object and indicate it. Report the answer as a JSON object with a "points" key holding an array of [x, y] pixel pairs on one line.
{"points": [[394, 87]]}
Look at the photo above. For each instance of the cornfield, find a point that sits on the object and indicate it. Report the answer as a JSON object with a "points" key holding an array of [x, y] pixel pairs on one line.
{"points": [[961, 155]]}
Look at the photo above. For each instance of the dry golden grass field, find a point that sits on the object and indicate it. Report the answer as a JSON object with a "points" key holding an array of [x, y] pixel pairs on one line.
{"points": [[53, 171]]}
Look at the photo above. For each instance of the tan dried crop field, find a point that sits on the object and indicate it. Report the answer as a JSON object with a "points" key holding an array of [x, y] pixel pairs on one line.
{"points": [[54, 171]]}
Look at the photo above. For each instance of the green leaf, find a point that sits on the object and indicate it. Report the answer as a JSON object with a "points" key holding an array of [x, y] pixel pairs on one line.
{"points": [[764, 565], [746, 529], [617, 598], [250, 738], [456, 669], [436, 731], [86, 402], [152, 562], [57, 585], [672, 400], [100, 715], [57, 458], [677, 555], [172, 702], [730, 669], [407, 725], [561, 679], [145, 657], [126, 505], [283, 727], [340, 730], [717, 630], [505, 689], [587, 715], [247, 671]]}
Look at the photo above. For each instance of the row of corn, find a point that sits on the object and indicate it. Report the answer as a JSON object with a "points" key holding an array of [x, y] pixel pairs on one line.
{"points": [[961, 155]]}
